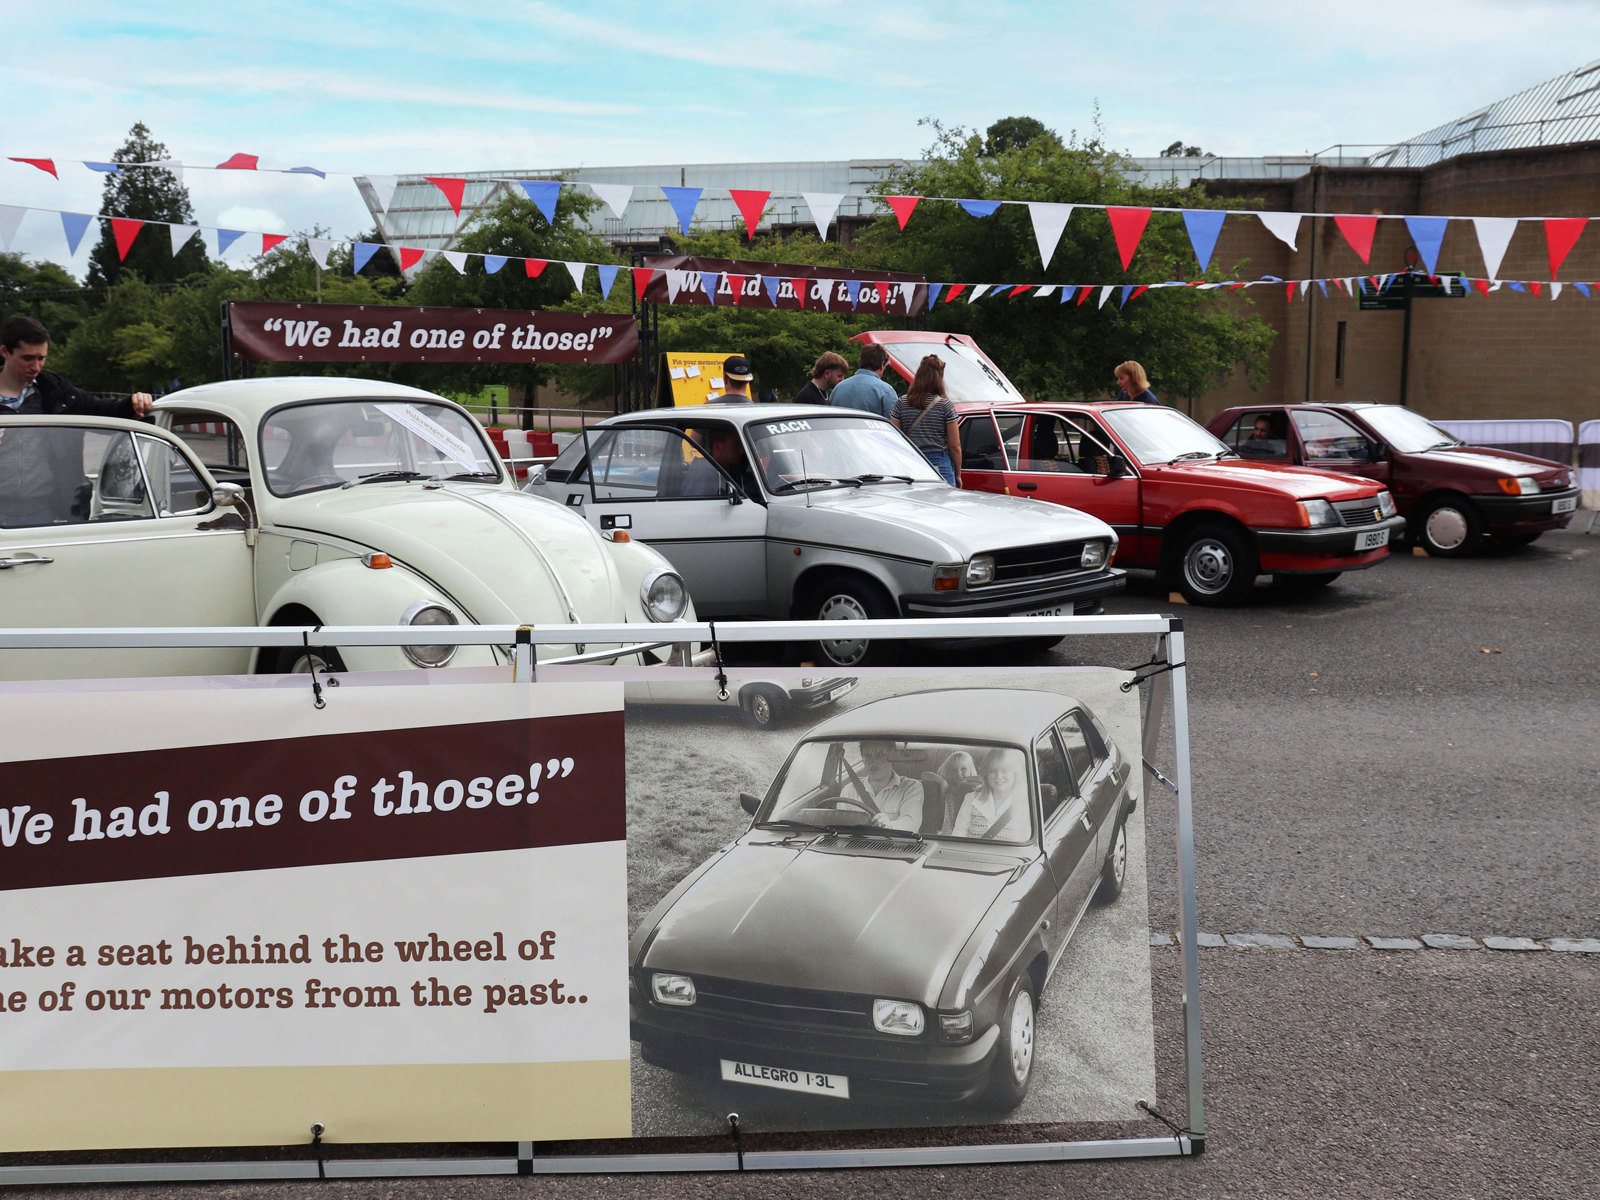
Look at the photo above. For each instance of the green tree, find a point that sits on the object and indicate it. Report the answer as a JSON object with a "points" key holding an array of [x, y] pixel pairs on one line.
{"points": [[1189, 341], [45, 292], [147, 194], [1013, 133]]}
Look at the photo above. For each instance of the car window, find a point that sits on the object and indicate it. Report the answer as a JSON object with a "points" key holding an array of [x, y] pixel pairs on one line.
{"points": [[218, 444], [1055, 776], [1083, 757], [1010, 426], [119, 492], [628, 463], [1324, 436], [1048, 445], [175, 487], [1259, 435], [307, 447], [1092, 447], [980, 444]]}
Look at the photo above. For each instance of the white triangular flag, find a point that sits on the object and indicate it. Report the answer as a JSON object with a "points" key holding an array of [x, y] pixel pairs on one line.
{"points": [[576, 270], [320, 249], [10, 218], [457, 259], [825, 293], [181, 235], [171, 165], [1494, 235], [383, 187], [1046, 290], [1104, 293], [614, 196], [1283, 226], [822, 205], [674, 284], [908, 293], [1555, 289], [1304, 284], [979, 291], [1048, 222]]}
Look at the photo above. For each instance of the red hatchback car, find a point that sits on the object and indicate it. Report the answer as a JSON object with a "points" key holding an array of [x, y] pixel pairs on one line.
{"points": [[1451, 493], [1182, 503]]}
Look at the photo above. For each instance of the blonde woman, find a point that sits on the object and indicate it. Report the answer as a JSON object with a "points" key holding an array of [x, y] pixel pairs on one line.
{"points": [[998, 811], [1134, 384]]}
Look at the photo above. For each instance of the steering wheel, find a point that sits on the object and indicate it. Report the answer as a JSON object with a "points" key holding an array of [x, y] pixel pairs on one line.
{"points": [[312, 481], [848, 802], [865, 804]]}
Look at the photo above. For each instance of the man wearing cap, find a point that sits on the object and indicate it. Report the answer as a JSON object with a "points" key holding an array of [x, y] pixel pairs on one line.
{"points": [[736, 377], [865, 390]]}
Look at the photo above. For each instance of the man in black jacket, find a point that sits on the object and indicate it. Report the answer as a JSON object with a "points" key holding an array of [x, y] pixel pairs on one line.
{"points": [[41, 471], [829, 370]]}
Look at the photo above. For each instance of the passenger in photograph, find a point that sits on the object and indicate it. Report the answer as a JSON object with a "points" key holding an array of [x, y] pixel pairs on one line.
{"points": [[998, 811]]}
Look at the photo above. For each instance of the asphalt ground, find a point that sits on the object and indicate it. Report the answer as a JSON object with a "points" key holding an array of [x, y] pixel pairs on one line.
{"points": [[1361, 766]]}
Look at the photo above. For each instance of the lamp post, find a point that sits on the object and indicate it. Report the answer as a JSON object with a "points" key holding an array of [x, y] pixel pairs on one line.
{"points": [[1412, 259]]}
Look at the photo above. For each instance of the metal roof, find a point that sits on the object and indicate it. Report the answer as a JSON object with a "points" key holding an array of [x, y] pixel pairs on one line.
{"points": [[1561, 110]]}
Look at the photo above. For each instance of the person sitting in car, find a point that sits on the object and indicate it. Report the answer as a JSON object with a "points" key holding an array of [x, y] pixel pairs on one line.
{"points": [[723, 448], [998, 811], [1264, 441], [898, 800]]}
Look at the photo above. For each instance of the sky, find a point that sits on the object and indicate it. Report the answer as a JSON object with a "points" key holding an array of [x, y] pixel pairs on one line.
{"points": [[443, 86]]}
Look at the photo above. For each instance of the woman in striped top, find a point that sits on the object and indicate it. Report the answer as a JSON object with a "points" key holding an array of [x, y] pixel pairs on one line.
{"points": [[926, 416]]}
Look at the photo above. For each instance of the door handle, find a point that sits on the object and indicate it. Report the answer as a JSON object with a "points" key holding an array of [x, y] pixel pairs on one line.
{"points": [[1084, 817], [7, 563], [1027, 487]]}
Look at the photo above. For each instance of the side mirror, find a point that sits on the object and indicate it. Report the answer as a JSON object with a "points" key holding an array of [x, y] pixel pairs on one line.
{"points": [[749, 803], [1118, 467], [1379, 451], [227, 495]]}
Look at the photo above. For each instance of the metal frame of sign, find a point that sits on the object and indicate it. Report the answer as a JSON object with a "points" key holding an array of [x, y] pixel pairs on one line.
{"points": [[1165, 697]]}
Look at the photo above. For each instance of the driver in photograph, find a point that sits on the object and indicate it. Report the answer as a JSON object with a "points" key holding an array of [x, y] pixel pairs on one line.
{"points": [[896, 799]]}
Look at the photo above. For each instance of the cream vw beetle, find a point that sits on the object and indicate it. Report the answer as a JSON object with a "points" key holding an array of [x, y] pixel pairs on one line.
{"points": [[298, 501]]}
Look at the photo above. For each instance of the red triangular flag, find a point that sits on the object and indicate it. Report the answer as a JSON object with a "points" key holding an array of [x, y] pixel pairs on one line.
{"points": [[269, 240], [1138, 291], [1128, 225], [124, 229], [1083, 294], [1358, 231], [641, 280], [902, 206], [750, 205], [533, 266], [409, 256], [955, 290], [239, 162], [1288, 290], [1560, 233], [736, 283], [452, 189], [1538, 288], [1021, 287], [1234, 287], [1482, 285], [44, 164]]}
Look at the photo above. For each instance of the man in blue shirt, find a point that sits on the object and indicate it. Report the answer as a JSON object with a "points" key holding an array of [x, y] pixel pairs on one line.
{"points": [[865, 390]]}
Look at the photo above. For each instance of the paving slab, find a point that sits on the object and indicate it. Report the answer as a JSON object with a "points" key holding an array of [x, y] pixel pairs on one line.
{"points": [[1315, 941], [1450, 941], [1394, 943], [1574, 945], [1512, 943], [1260, 941]]}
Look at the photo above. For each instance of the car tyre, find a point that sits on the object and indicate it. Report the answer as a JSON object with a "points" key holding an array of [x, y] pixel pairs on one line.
{"points": [[763, 706], [1115, 871], [1215, 565], [1447, 527], [842, 598], [1012, 1070], [298, 660]]}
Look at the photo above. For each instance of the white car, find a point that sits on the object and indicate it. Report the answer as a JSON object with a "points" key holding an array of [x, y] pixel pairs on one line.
{"points": [[765, 702], [298, 501]]}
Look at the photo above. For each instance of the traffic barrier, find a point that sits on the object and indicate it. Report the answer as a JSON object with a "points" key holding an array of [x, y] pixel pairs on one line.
{"points": [[1589, 468], [1542, 437]]}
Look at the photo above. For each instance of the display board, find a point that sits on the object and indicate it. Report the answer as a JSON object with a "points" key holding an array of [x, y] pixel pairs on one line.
{"points": [[689, 379]]}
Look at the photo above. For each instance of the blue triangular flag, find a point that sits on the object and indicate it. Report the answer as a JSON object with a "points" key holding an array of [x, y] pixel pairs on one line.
{"points": [[998, 288], [1516, 287], [1427, 233], [544, 193], [683, 200], [1203, 225], [1584, 288], [608, 276], [1067, 292], [104, 168], [852, 288], [74, 224], [226, 238], [306, 171], [1127, 290], [708, 280], [491, 263], [772, 283], [363, 253], [980, 208], [1323, 284], [933, 293]]}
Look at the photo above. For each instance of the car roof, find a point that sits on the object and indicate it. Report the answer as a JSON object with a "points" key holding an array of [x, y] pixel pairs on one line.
{"points": [[979, 714], [1046, 405], [743, 414], [247, 400]]}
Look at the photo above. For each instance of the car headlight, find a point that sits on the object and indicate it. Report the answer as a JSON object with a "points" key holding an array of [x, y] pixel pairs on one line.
{"points": [[1094, 555], [1385, 504], [980, 570], [664, 595], [676, 990], [429, 612], [956, 1027], [902, 1017], [1317, 512]]}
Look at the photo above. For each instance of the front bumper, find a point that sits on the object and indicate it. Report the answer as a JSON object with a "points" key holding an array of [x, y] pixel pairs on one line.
{"points": [[1081, 594], [915, 1069], [1525, 514], [823, 692]]}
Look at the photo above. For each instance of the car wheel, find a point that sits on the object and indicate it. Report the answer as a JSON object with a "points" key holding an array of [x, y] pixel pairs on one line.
{"points": [[1517, 539], [1036, 645], [844, 599], [1115, 871], [1304, 585], [1216, 566], [297, 660], [1012, 1071], [1447, 527], [763, 706]]}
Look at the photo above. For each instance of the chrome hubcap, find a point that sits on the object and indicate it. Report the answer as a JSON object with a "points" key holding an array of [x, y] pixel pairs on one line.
{"points": [[845, 652], [1119, 855], [303, 665], [1021, 1036], [1207, 566], [1447, 528], [761, 708]]}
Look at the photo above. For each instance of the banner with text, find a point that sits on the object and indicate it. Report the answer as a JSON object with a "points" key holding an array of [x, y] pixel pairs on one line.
{"points": [[686, 279], [379, 333]]}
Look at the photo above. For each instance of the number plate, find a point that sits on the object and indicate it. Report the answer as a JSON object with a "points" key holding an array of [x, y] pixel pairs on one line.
{"points": [[814, 1082], [839, 691], [1371, 539], [1567, 504], [1057, 611]]}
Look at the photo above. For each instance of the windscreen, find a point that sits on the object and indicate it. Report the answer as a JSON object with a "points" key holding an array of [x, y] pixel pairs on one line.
{"points": [[811, 453], [307, 447], [1406, 431], [1162, 435]]}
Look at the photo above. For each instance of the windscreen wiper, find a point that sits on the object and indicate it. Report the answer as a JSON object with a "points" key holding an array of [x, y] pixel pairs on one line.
{"points": [[860, 479], [873, 831], [1190, 455], [385, 476], [802, 826], [1443, 446], [468, 475], [795, 484]]}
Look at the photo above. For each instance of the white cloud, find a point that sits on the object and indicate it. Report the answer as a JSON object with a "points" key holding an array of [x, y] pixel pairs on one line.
{"points": [[253, 220]]}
